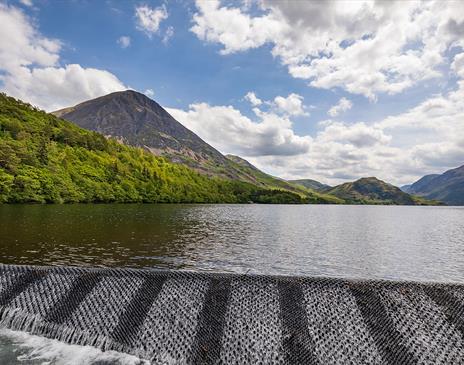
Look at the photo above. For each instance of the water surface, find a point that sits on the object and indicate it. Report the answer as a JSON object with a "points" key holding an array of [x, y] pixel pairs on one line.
{"points": [[389, 242]]}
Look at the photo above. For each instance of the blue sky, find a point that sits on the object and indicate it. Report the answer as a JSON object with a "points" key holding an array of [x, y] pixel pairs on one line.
{"points": [[299, 59]]}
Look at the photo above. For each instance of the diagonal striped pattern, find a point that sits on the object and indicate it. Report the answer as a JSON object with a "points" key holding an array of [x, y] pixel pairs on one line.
{"points": [[332, 309], [175, 317]]}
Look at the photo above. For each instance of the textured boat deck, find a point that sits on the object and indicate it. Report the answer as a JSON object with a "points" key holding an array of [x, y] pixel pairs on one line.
{"points": [[174, 317]]}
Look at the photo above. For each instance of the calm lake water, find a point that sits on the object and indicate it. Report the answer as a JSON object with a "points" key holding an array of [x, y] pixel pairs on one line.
{"points": [[393, 242]]}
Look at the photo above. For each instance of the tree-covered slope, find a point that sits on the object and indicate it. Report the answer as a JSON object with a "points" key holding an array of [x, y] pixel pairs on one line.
{"points": [[370, 190], [47, 159]]}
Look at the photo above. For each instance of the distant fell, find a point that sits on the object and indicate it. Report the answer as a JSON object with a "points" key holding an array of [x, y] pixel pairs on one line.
{"points": [[447, 187], [312, 184], [419, 184], [370, 190]]}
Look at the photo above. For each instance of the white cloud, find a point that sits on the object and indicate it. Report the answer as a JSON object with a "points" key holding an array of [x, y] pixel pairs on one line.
{"points": [[150, 93], [149, 19], [21, 44], [53, 88], [30, 69], [124, 41], [291, 105], [228, 130], [358, 135], [236, 30], [365, 47], [253, 99], [342, 106]]}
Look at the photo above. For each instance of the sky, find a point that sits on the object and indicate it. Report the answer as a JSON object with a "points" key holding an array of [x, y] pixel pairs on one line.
{"points": [[328, 90]]}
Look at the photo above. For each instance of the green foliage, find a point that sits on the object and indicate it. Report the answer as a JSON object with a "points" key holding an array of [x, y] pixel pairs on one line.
{"points": [[44, 159]]}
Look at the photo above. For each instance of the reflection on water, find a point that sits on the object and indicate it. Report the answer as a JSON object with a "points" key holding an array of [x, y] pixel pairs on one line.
{"points": [[420, 243]]}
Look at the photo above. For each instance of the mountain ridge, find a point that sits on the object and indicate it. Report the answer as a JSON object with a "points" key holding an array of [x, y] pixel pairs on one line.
{"points": [[447, 187]]}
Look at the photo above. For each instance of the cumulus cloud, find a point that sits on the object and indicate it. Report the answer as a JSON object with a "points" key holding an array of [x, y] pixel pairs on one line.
{"points": [[253, 99], [124, 41], [342, 106], [358, 135], [365, 47], [149, 19], [291, 105], [30, 69], [52, 88], [20, 43], [228, 130]]}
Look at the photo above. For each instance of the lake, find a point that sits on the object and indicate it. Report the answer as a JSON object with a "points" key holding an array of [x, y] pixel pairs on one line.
{"points": [[388, 242]]}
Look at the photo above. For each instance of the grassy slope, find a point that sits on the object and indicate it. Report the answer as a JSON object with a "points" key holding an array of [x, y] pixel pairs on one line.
{"points": [[311, 184], [374, 191], [47, 159]]}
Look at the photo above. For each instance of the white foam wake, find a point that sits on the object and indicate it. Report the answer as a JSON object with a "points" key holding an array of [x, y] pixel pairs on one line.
{"points": [[30, 349]]}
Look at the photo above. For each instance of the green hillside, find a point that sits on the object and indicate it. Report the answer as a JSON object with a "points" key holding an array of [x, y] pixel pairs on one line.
{"points": [[370, 190], [44, 159], [311, 184]]}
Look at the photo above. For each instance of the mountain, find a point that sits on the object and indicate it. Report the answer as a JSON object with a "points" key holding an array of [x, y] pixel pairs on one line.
{"points": [[419, 184], [311, 184], [447, 187], [370, 190], [405, 188], [45, 159], [134, 119]]}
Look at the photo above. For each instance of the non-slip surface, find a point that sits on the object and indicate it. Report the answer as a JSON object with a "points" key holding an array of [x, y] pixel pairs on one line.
{"points": [[175, 317]]}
